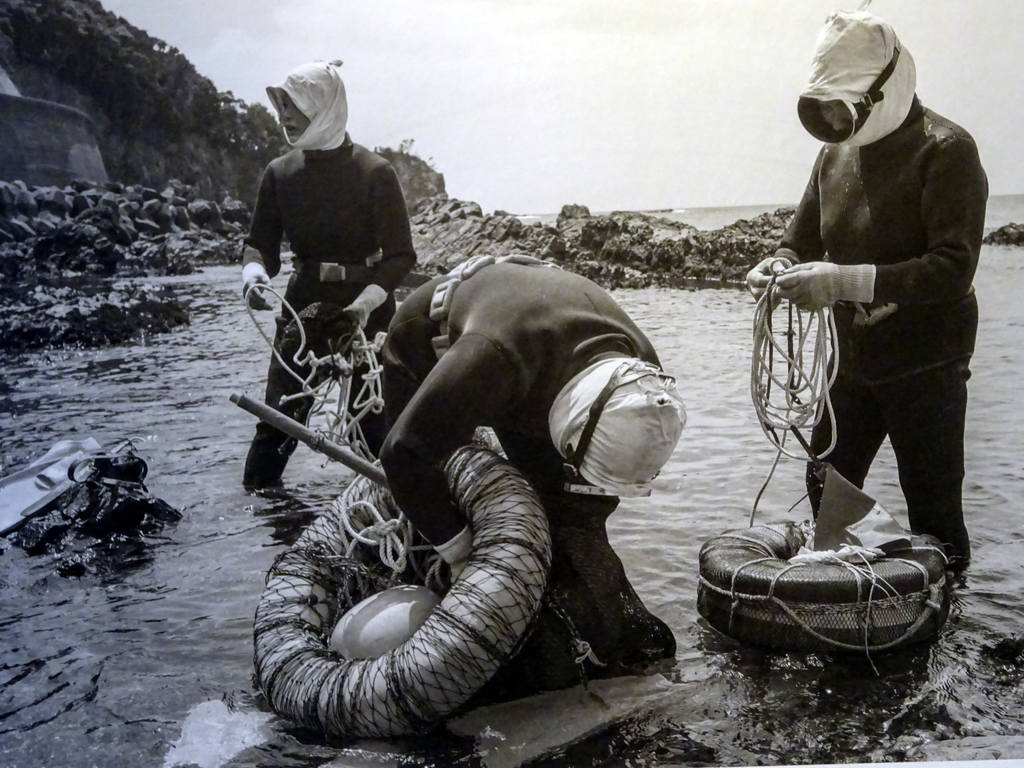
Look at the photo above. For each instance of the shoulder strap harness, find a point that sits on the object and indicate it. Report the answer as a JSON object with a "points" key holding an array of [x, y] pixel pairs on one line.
{"points": [[441, 301]]}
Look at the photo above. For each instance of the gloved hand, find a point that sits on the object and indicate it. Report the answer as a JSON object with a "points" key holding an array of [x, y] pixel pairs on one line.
{"points": [[254, 274], [759, 276], [456, 550], [371, 297], [821, 283]]}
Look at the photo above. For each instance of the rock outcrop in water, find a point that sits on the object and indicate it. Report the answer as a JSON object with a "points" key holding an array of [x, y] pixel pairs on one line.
{"points": [[101, 523], [1009, 234], [617, 250]]}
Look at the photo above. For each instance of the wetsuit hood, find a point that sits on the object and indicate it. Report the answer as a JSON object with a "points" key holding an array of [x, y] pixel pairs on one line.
{"points": [[860, 62], [318, 92]]}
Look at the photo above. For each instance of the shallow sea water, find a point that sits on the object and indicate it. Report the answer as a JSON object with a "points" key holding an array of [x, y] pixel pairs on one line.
{"points": [[151, 666]]}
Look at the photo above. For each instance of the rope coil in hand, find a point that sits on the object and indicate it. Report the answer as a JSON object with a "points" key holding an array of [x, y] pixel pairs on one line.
{"points": [[796, 398], [330, 377]]}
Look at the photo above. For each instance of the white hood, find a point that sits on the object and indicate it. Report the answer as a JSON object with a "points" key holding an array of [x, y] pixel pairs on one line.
{"points": [[319, 93], [852, 50]]}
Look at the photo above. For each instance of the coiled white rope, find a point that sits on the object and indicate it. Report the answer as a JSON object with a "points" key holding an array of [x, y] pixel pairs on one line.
{"points": [[797, 397], [331, 391]]}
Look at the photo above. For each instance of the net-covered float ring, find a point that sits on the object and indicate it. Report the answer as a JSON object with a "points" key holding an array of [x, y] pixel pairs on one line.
{"points": [[468, 636], [748, 589]]}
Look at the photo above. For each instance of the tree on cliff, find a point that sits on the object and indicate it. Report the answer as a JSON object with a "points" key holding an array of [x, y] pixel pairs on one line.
{"points": [[156, 117]]}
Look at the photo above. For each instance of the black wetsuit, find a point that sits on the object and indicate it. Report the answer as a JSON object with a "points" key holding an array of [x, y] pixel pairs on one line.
{"points": [[518, 334], [342, 206], [913, 204]]}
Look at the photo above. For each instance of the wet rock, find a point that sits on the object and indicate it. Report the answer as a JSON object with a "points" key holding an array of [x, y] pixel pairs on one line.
{"points": [[180, 215], [86, 312], [20, 229], [620, 249], [25, 203], [80, 203], [205, 214], [1009, 234], [51, 200], [8, 194], [234, 211]]}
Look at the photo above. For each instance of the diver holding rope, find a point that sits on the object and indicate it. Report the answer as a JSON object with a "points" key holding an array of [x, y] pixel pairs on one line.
{"points": [[341, 208], [887, 235]]}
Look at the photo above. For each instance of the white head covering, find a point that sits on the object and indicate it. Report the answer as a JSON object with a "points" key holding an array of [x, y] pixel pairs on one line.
{"points": [[852, 50], [636, 432], [319, 93]]}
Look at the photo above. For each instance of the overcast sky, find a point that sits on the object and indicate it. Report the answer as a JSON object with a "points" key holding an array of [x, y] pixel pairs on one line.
{"points": [[527, 105]]}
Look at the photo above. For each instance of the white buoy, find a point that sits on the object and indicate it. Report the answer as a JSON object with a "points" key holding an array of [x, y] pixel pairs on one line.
{"points": [[382, 622]]}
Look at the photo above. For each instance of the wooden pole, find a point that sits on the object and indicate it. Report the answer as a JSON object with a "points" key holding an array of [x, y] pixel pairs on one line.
{"points": [[316, 441]]}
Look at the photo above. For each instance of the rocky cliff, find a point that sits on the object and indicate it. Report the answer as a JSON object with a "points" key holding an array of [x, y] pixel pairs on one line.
{"points": [[420, 182], [155, 117]]}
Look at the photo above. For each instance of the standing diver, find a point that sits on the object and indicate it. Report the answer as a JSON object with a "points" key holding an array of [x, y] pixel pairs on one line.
{"points": [[889, 231], [341, 208]]}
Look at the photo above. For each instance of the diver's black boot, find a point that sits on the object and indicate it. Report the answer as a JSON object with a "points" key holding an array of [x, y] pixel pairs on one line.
{"points": [[264, 464]]}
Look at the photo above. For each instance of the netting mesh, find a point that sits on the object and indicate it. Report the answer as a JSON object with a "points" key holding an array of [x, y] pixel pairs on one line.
{"points": [[479, 622], [749, 591]]}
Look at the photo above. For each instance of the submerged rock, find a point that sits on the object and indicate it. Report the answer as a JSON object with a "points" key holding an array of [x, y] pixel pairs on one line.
{"points": [[86, 313]]}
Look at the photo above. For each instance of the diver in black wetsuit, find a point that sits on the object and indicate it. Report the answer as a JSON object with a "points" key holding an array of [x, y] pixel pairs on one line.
{"points": [[527, 350]]}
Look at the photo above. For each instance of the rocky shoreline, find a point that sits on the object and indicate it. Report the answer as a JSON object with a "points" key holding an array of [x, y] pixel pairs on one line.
{"points": [[1008, 234], [621, 249], [71, 259]]}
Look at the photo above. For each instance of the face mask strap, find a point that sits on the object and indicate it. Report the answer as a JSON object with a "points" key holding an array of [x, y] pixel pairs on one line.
{"points": [[575, 483], [874, 93]]}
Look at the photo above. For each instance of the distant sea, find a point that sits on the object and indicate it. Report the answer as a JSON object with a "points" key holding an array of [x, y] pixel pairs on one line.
{"points": [[1002, 209]]}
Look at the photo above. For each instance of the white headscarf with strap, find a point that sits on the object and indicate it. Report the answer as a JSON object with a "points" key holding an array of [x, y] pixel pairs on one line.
{"points": [[852, 50], [636, 432], [318, 92]]}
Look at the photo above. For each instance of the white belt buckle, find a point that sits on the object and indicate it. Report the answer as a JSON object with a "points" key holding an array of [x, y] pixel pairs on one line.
{"points": [[331, 273]]}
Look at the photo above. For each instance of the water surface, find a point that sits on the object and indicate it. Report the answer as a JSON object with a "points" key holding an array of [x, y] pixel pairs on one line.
{"points": [[152, 666]]}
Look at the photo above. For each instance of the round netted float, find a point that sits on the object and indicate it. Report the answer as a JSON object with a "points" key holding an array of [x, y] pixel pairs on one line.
{"points": [[749, 591], [463, 642]]}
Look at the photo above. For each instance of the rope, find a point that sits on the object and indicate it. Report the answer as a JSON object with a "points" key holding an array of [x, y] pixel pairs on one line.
{"points": [[932, 604], [863, 573], [330, 377], [391, 536], [800, 398]]}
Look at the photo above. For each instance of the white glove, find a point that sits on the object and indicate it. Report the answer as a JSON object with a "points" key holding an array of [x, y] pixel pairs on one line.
{"points": [[254, 274], [371, 297], [821, 283], [759, 276], [456, 550]]}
